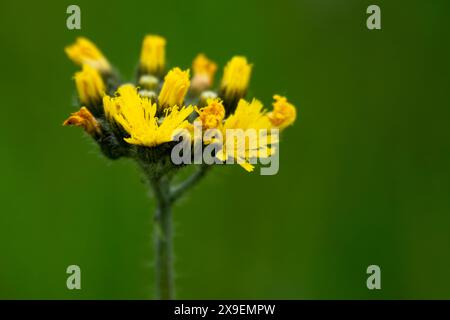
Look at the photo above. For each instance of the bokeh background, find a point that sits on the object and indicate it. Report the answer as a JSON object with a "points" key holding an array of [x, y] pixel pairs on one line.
{"points": [[364, 173]]}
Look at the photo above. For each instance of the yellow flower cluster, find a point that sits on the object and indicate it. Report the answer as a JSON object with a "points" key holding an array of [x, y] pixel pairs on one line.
{"points": [[248, 115], [150, 118]]}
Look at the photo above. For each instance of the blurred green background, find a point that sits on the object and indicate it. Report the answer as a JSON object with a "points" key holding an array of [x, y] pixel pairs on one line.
{"points": [[364, 173]]}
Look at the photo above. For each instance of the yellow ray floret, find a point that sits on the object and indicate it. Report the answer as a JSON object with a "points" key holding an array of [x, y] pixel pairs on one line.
{"points": [[236, 77], [153, 54], [90, 86], [283, 114], [248, 116], [83, 118], [84, 51], [212, 114], [137, 116], [174, 89], [251, 119], [204, 69]]}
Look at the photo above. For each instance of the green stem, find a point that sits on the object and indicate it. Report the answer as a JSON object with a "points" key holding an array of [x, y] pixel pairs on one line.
{"points": [[165, 197], [179, 190], [163, 242]]}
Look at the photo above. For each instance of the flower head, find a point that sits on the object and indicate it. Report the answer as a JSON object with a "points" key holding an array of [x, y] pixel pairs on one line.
{"points": [[236, 77], [153, 55], [251, 122], [174, 89], [83, 118], [90, 86], [204, 71], [212, 114], [137, 116], [283, 114], [84, 51], [248, 115]]}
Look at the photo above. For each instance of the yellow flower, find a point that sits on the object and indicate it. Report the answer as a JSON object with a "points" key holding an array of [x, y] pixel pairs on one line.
{"points": [[236, 77], [212, 114], [83, 118], [84, 51], [90, 86], [204, 71], [153, 54], [175, 87], [255, 126], [283, 114], [137, 116], [248, 116]]}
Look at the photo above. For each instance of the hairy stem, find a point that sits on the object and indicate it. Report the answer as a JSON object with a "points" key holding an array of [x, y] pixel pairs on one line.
{"points": [[163, 241], [165, 197]]}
